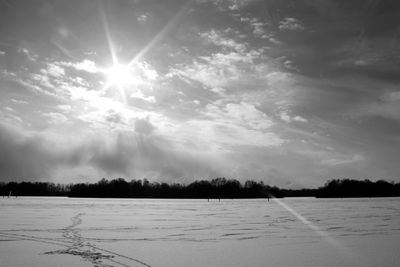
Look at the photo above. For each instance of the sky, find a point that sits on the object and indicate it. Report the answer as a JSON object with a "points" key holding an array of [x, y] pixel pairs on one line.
{"points": [[291, 93]]}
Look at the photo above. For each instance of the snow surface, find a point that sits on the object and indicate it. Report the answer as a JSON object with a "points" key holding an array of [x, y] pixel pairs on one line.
{"points": [[164, 232]]}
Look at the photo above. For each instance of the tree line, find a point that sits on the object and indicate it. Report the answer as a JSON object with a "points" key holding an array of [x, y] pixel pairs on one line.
{"points": [[357, 188], [216, 188]]}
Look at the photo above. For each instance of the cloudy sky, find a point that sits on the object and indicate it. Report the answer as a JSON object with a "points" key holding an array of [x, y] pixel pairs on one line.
{"points": [[292, 93]]}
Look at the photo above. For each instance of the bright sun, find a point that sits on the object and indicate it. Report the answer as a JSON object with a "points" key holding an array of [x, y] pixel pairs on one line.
{"points": [[120, 75], [121, 78]]}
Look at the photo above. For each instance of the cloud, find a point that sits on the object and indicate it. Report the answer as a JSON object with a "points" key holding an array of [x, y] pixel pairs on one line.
{"points": [[9, 115], [56, 118], [24, 157], [387, 106], [19, 101], [39, 156], [227, 127], [241, 113], [84, 65], [42, 80], [343, 160], [143, 17], [28, 53], [291, 24], [237, 4], [65, 108], [140, 156], [287, 118], [232, 64], [300, 119], [139, 94], [218, 39], [232, 5], [143, 126], [258, 28], [53, 70]]}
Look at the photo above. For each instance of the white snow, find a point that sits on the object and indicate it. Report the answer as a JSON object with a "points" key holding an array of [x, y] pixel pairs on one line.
{"points": [[164, 232]]}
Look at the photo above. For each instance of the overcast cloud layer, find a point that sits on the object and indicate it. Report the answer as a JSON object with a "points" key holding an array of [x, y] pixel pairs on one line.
{"points": [[292, 93]]}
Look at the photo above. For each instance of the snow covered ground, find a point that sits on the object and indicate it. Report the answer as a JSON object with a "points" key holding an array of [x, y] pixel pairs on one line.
{"points": [[162, 232]]}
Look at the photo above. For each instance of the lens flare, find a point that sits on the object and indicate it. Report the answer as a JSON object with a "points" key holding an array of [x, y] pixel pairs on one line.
{"points": [[325, 235]]}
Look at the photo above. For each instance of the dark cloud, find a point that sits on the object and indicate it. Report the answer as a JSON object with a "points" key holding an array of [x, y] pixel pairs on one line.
{"points": [[143, 126], [34, 157], [137, 156], [24, 157]]}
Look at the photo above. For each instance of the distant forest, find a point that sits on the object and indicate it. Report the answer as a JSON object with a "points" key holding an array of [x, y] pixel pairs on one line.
{"points": [[218, 188]]}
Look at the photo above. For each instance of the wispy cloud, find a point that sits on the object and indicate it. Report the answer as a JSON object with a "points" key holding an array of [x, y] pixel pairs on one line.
{"points": [[291, 24]]}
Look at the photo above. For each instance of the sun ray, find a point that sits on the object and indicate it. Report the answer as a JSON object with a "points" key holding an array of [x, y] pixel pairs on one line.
{"points": [[107, 32], [160, 35], [112, 73], [119, 75]]}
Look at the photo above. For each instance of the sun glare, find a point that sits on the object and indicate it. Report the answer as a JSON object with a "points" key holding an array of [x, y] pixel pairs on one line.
{"points": [[122, 78], [120, 75]]}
